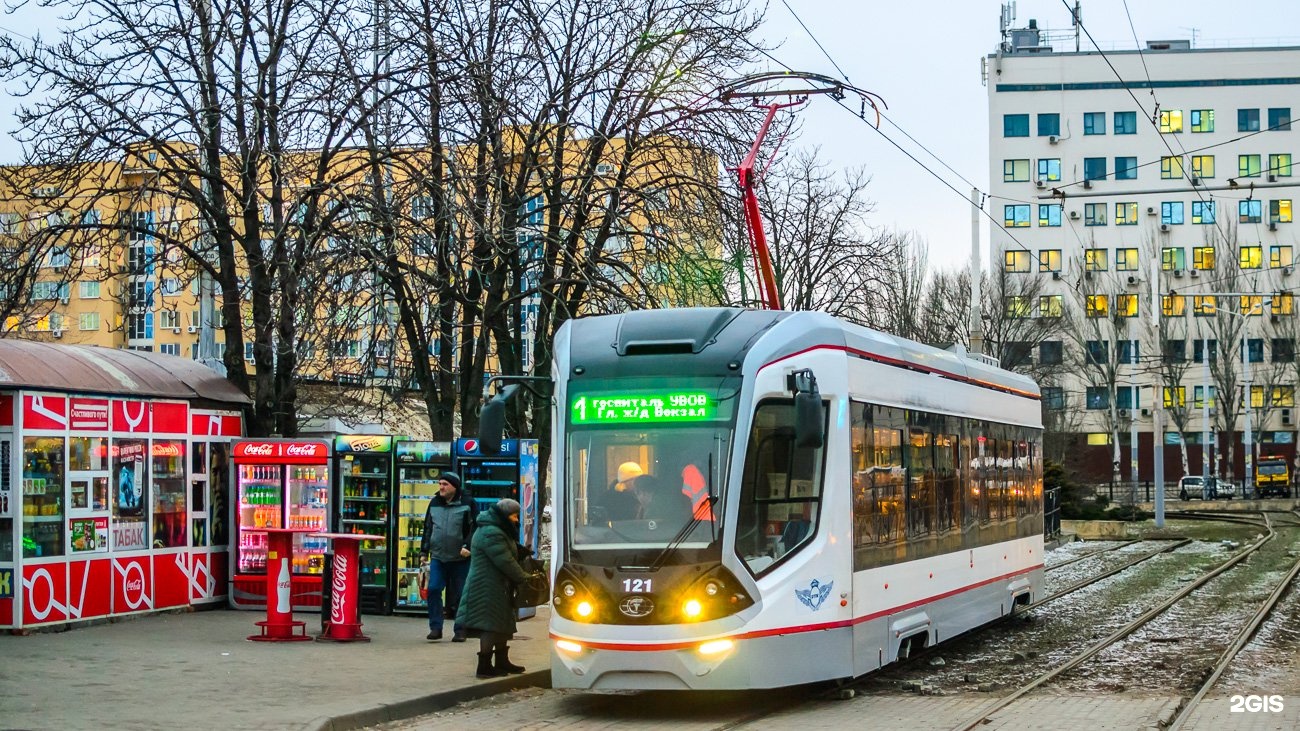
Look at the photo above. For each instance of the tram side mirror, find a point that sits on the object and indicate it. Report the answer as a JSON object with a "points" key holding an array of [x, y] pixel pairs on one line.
{"points": [[492, 421], [809, 412]]}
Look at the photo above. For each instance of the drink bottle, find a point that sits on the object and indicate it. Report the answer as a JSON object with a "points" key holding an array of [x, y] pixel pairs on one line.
{"points": [[282, 584]]}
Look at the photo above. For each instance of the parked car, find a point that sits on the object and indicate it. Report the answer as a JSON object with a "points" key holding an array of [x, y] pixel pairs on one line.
{"points": [[1195, 486]]}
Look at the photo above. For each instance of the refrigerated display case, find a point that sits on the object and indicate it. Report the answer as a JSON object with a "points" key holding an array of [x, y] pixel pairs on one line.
{"points": [[364, 469], [418, 466], [279, 484]]}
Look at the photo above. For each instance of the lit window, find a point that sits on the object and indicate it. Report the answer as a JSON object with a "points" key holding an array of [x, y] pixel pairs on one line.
{"points": [[1283, 304], [1202, 120], [1171, 167], [1279, 211], [1094, 168], [1203, 212], [1094, 123], [1126, 305], [1203, 258], [1203, 166], [1173, 305], [1049, 168], [1051, 305], [1097, 305], [1126, 168], [1280, 165], [1284, 396], [1049, 124], [1015, 125], [1094, 214], [1252, 305], [1126, 260], [1203, 305], [1252, 257], [1171, 213], [1171, 120], [1016, 261], [1126, 123], [1016, 216], [1256, 397], [1248, 166], [1049, 260], [1247, 120], [1279, 118], [1049, 214], [1015, 171], [1017, 307], [1279, 256], [1175, 397], [1250, 211], [1099, 439], [1094, 260], [1171, 258], [1126, 214]]}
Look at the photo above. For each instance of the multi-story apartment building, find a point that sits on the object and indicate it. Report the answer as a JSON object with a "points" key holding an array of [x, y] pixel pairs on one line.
{"points": [[118, 273], [1145, 200]]}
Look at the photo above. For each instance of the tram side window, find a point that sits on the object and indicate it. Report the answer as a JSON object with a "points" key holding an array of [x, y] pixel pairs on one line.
{"points": [[947, 481], [879, 479], [920, 493], [780, 493]]}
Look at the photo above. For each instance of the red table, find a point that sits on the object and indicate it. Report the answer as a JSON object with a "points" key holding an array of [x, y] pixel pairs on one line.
{"points": [[344, 624], [279, 625]]}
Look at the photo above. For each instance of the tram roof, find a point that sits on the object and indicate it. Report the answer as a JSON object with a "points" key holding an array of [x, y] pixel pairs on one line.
{"points": [[93, 369]]}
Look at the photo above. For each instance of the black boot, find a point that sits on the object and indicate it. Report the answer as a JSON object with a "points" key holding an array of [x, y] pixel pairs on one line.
{"points": [[485, 669], [503, 664]]}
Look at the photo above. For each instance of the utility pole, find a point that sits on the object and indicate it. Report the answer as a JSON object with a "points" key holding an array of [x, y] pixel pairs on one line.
{"points": [[1157, 422], [976, 317]]}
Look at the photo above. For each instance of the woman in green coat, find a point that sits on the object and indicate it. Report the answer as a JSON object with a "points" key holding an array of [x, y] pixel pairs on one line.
{"points": [[487, 609]]}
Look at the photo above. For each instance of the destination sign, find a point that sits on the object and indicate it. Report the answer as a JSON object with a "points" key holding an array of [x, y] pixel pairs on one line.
{"points": [[649, 407]]}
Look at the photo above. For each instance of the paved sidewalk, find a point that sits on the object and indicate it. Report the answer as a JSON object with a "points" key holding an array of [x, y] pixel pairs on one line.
{"points": [[199, 672]]}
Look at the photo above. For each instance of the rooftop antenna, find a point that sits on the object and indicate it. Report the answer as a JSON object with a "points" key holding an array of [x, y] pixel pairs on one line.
{"points": [[1195, 32], [1076, 18], [1007, 20], [771, 91]]}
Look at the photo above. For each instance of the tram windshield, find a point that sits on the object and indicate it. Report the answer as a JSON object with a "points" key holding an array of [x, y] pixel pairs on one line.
{"points": [[645, 471]]}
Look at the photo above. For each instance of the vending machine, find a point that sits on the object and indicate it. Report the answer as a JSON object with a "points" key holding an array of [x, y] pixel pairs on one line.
{"points": [[511, 472], [278, 483], [363, 466], [418, 466]]}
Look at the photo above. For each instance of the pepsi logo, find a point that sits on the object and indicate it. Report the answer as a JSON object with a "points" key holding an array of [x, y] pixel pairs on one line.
{"points": [[471, 445]]}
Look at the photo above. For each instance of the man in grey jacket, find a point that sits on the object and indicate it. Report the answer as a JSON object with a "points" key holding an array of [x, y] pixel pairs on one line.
{"points": [[448, 527]]}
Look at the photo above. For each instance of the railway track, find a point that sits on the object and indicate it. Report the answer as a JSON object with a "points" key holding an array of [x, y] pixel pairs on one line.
{"points": [[1079, 659]]}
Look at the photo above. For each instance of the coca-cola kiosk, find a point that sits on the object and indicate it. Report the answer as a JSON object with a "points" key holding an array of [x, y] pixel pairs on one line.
{"points": [[279, 484]]}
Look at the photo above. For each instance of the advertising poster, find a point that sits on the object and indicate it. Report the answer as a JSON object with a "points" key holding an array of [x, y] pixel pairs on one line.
{"points": [[88, 535], [128, 486], [528, 497], [363, 443]]}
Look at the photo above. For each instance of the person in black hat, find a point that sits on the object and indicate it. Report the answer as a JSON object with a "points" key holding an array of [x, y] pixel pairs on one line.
{"points": [[448, 528]]}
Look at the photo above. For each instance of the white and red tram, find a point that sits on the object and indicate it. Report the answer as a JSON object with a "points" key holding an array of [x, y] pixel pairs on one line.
{"points": [[715, 529]]}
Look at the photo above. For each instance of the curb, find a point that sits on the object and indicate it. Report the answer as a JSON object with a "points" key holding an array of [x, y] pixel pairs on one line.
{"points": [[421, 705]]}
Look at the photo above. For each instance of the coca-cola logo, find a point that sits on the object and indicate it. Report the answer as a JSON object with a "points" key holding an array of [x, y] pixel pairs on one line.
{"points": [[301, 450], [134, 585], [166, 449], [257, 450], [339, 587]]}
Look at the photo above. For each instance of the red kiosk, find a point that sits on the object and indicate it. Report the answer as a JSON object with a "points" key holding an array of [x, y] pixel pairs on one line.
{"points": [[279, 624], [344, 624]]}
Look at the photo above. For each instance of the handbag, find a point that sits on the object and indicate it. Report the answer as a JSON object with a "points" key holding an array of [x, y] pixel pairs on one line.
{"points": [[424, 582], [537, 590]]}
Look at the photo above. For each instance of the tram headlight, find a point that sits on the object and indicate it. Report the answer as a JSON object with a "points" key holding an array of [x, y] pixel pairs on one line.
{"points": [[713, 647], [711, 588], [567, 646], [568, 589], [692, 609], [584, 609]]}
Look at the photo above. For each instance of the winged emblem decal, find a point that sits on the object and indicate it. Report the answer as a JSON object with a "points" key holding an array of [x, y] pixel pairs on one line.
{"points": [[815, 595]]}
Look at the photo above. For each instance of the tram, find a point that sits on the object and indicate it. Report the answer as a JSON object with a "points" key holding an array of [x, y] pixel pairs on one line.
{"points": [[757, 498]]}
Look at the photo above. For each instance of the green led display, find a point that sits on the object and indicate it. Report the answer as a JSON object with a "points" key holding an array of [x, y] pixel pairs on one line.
{"points": [[651, 407]]}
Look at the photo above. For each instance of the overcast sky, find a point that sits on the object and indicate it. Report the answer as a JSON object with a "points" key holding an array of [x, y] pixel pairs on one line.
{"points": [[923, 57]]}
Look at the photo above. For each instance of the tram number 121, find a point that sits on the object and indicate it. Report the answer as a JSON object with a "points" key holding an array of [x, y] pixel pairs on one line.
{"points": [[637, 586]]}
